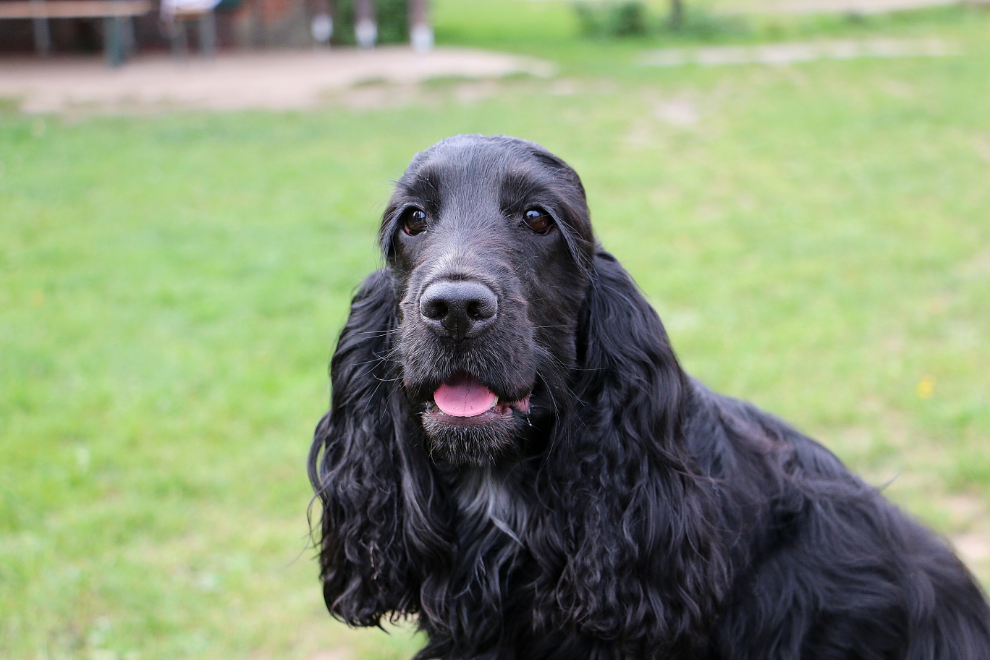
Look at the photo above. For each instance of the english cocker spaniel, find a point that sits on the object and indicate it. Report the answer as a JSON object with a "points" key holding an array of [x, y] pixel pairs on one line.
{"points": [[514, 456]]}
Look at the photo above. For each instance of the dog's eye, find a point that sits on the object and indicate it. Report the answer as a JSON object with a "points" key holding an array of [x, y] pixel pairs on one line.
{"points": [[413, 221], [538, 220]]}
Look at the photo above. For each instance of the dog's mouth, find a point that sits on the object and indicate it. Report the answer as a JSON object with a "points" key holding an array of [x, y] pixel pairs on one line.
{"points": [[463, 400]]}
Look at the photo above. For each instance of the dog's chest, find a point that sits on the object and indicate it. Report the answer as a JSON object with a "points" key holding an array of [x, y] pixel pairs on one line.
{"points": [[489, 507]]}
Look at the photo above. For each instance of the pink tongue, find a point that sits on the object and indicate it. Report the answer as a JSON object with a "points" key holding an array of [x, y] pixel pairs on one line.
{"points": [[463, 396]]}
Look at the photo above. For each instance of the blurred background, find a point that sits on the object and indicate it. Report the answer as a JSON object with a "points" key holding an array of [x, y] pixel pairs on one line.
{"points": [[802, 189]]}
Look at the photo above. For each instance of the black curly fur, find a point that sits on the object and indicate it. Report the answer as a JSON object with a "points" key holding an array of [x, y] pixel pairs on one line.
{"points": [[637, 514]]}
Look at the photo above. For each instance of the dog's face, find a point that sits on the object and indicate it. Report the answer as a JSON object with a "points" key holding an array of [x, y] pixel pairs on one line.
{"points": [[489, 241]]}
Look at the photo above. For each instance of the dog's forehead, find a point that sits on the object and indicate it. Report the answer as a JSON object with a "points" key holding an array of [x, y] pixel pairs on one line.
{"points": [[478, 183], [485, 169], [481, 151]]}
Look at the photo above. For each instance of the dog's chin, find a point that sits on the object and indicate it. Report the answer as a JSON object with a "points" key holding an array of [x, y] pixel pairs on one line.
{"points": [[478, 441]]}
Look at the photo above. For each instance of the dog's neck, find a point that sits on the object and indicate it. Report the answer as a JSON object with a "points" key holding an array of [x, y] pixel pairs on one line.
{"points": [[486, 498]]}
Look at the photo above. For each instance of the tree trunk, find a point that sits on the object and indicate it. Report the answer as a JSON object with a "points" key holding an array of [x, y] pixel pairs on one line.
{"points": [[676, 14]]}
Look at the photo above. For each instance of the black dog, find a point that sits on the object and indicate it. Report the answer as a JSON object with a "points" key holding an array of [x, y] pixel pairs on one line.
{"points": [[514, 455]]}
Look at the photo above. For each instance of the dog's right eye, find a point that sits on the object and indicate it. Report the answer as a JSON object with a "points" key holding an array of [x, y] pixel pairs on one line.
{"points": [[538, 220], [413, 221]]}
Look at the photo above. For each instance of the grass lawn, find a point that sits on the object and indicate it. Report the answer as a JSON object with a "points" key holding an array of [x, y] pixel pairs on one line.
{"points": [[816, 237]]}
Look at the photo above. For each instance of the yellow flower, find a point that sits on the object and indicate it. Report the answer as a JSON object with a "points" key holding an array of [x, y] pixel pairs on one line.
{"points": [[925, 387]]}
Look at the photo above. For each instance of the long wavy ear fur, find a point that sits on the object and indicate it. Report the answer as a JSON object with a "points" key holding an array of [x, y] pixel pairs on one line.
{"points": [[380, 530], [636, 558]]}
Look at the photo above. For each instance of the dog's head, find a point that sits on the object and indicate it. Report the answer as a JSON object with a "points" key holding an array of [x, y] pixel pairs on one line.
{"points": [[490, 243], [499, 332]]}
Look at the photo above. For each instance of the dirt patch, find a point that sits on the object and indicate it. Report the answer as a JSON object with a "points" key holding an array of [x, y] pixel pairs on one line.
{"points": [[974, 548], [271, 80], [797, 52], [969, 515], [982, 146], [850, 7]]}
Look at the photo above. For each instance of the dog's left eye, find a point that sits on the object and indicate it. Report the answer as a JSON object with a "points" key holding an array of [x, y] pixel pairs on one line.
{"points": [[538, 220], [413, 221]]}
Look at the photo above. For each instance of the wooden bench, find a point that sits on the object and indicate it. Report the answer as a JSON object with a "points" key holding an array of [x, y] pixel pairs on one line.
{"points": [[117, 15]]}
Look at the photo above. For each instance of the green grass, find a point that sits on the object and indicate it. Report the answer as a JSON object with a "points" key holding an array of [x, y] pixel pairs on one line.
{"points": [[818, 241]]}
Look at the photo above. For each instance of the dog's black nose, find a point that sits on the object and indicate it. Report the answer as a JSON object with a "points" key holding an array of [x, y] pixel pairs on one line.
{"points": [[458, 309]]}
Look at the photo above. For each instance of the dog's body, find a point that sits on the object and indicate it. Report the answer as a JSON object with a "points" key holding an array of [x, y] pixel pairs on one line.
{"points": [[514, 455]]}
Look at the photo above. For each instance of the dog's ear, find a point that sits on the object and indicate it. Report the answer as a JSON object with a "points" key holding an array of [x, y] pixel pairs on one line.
{"points": [[625, 355], [378, 516], [637, 557]]}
